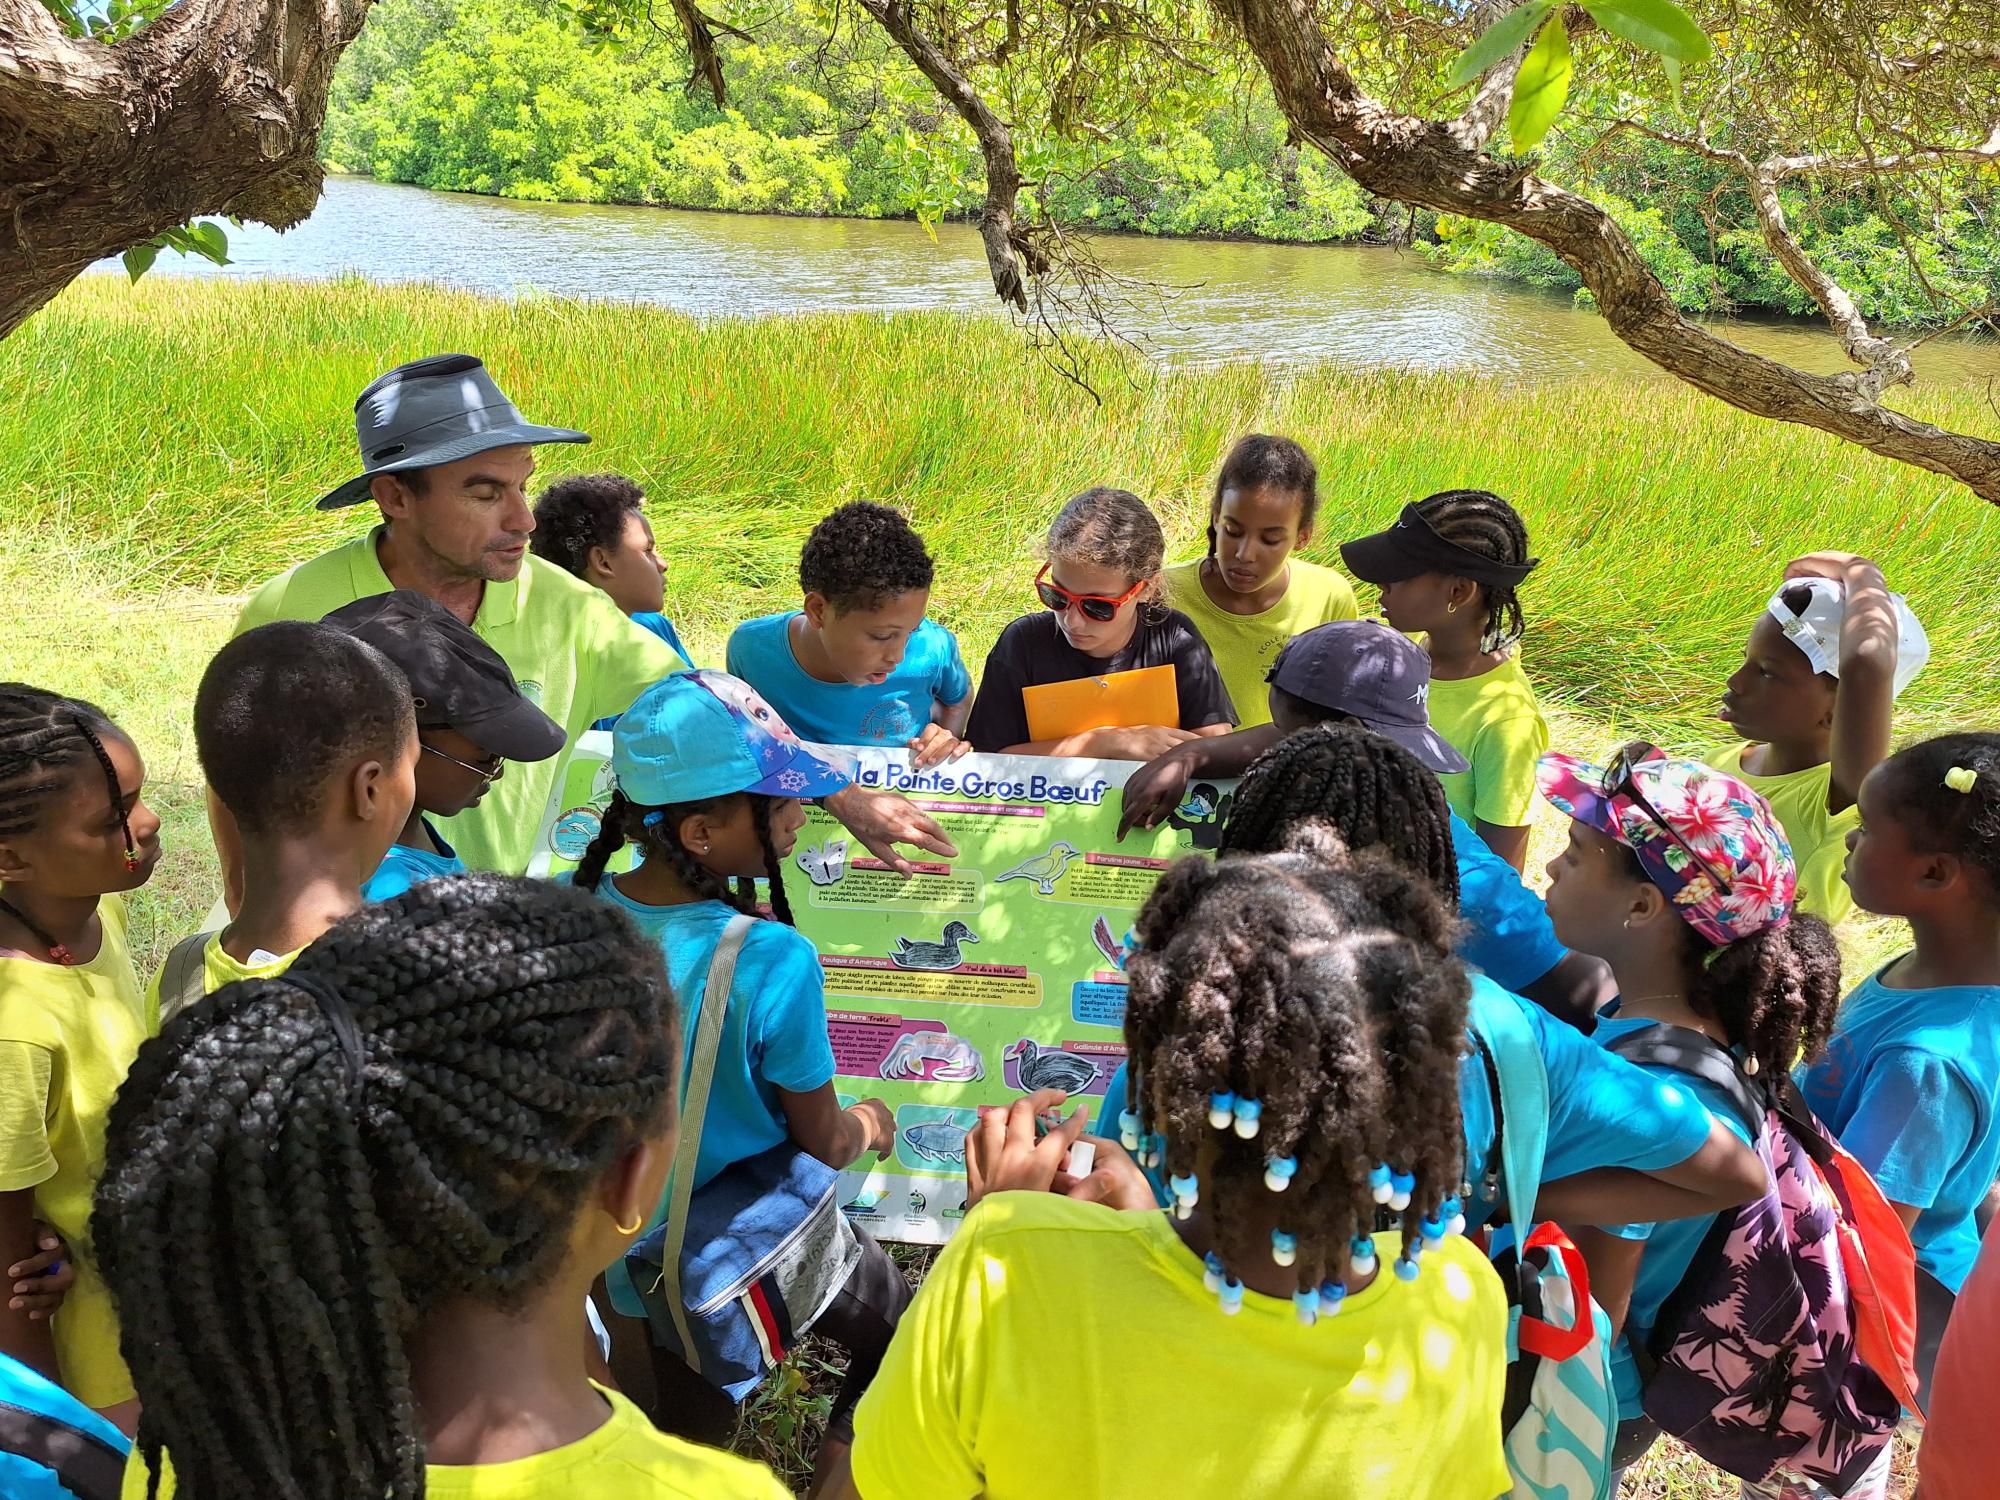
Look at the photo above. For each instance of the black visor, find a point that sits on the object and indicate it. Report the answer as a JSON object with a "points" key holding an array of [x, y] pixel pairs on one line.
{"points": [[1410, 548]]}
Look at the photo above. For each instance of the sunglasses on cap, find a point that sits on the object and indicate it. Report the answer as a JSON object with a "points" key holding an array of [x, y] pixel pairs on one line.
{"points": [[1621, 780], [1098, 607], [487, 770]]}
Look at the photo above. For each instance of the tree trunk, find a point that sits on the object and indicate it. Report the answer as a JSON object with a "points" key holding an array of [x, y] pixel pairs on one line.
{"points": [[214, 108], [1427, 163]]}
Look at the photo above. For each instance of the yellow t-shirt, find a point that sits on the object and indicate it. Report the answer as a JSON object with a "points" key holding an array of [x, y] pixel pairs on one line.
{"points": [[628, 1458], [570, 649], [1494, 721], [1244, 646], [68, 1036], [1063, 1348], [1818, 837], [218, 969]]}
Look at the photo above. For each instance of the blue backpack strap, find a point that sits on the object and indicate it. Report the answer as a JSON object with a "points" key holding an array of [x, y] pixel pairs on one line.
{"points": [[49, 1432], [1521, 1112], [1688, 1051]]}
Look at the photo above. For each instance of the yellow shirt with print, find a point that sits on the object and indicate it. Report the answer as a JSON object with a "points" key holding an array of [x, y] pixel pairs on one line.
{"points": [[1064, 1348], [628, 1458], [1495, 722], [218, 969], [1818, 837], [570, 649], [1245, 646], [68, 1035]]}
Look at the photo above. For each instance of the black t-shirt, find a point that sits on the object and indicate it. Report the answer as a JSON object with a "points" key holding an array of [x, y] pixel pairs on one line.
{"points": [[1033, 650]]}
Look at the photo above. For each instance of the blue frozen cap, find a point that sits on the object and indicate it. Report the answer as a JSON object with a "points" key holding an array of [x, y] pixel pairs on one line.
{"points": [[706, 734]]}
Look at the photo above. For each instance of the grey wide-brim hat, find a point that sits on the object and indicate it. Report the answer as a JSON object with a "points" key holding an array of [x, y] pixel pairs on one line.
{"points": [[434, 411]]}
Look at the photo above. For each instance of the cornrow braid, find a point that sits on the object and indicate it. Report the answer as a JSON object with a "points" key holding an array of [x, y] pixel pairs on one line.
{"points": [[774, 867], [1938, 817], [43, 736], [1326, 991], [300, 1169], [657, 832], [1369, 790], [1481, 521]]}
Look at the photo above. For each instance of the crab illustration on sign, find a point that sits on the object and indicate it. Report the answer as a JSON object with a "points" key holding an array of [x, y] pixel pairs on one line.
{"points": [[933, 1056], [912, 953], [824, 864], [1044, 869]]}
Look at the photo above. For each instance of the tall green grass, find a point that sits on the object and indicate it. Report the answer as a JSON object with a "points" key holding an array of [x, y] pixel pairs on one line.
{"points": [[176, 434]]}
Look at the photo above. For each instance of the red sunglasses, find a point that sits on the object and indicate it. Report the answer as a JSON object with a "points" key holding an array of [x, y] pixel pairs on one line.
{"points": [[1098, 607]]}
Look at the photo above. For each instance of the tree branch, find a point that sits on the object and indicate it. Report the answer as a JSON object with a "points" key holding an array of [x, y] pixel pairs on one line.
{"points": [[1422, 162]]}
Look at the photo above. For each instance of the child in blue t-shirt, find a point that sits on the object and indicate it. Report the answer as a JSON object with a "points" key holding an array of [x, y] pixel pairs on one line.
{"points": [[1910, 1082], [471, 720], [709, 782], [858, 663], [1679, 877]]}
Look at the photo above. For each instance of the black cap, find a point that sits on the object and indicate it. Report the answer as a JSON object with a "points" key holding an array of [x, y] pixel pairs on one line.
{"points": [[1411, 547], [459, 682], [1365, 670]]}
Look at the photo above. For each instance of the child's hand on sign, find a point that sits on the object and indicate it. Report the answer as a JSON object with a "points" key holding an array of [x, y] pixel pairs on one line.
{"points": [[1114, 1179], [935, 746], [1007, 1152]]}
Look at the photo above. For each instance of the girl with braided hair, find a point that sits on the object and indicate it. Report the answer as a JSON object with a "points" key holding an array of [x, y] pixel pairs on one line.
{"points": [[75, 834], [351, 1213], [1680, 878], [1450, 570], [709, 781], [1267, 1340]]}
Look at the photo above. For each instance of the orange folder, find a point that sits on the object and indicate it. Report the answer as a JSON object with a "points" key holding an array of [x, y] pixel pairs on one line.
{"points": [[1118, 700]]}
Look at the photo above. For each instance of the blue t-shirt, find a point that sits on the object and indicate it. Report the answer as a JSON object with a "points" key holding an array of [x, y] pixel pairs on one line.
{"points": [[404, 866], [1670, 1246], [1910, 1084], [1603, 1110], [1508, 934], [662, 627], [892, 712], [49, 1437]]}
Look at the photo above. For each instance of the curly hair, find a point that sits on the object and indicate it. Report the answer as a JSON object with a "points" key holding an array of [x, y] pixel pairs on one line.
{"points": [[1326, 991], [862, 556], [1939, 819], [299, 1170], [284, 707], [1107, 528], [1260, 461], [1484, 523], [44, 737], [583, 511], [657, 832], [1369, 790]]}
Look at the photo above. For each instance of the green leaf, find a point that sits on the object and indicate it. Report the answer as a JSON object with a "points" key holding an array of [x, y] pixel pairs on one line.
{"points": [[1656, 25], [1540, 88], [139, 260], [1672, 65], [1499, 39], [210, 241]]}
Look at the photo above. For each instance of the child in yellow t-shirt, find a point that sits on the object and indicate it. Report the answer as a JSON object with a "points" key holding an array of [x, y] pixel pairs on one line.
{"points": [[308, 741], [1813, 702], [1251, 593], [352, 1213], [1449, 570], [1291, 1024], [74, 834]]}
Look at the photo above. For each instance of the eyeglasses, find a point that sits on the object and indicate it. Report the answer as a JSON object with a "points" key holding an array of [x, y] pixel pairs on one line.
{"points": [[1098, 607], [487, 770], [1620, 780]]}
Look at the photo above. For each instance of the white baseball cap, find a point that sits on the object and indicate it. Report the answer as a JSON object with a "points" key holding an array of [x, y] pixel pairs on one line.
{"points": [[1815, 629]]}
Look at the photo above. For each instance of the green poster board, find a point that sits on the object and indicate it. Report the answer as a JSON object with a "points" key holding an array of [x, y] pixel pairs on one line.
{"points": [[974, 981]]}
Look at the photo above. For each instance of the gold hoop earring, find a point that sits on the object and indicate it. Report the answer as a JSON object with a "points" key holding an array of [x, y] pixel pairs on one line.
{"points": [[638, 1223], [1451, 606]]}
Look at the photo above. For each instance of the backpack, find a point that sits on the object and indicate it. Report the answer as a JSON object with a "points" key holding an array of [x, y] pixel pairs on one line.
{"points": [[1788, 1343], [1560, 1416]]}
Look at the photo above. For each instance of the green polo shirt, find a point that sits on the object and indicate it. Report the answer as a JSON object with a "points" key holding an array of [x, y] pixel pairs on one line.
{"points": [[570, 649]]}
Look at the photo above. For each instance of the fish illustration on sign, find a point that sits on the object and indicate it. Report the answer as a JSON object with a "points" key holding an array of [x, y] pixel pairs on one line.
{"points": [[936, 1140]]}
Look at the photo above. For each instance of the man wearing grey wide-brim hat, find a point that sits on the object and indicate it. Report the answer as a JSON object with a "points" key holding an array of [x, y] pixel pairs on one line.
{"points": [[446, 458]]}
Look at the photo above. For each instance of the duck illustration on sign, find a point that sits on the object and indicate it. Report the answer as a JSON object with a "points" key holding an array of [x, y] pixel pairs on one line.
{"points": [[1044, 869], [933, 1056], [912, 953], [1053, 1069], [824, 864], [936, 1141]]}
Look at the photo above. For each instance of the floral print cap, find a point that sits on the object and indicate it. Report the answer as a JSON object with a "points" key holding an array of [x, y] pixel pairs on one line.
{"points": [[1712, 844]]}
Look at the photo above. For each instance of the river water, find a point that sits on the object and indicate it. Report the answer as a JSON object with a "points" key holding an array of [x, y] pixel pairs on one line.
{"points": [[1195, 301]]}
